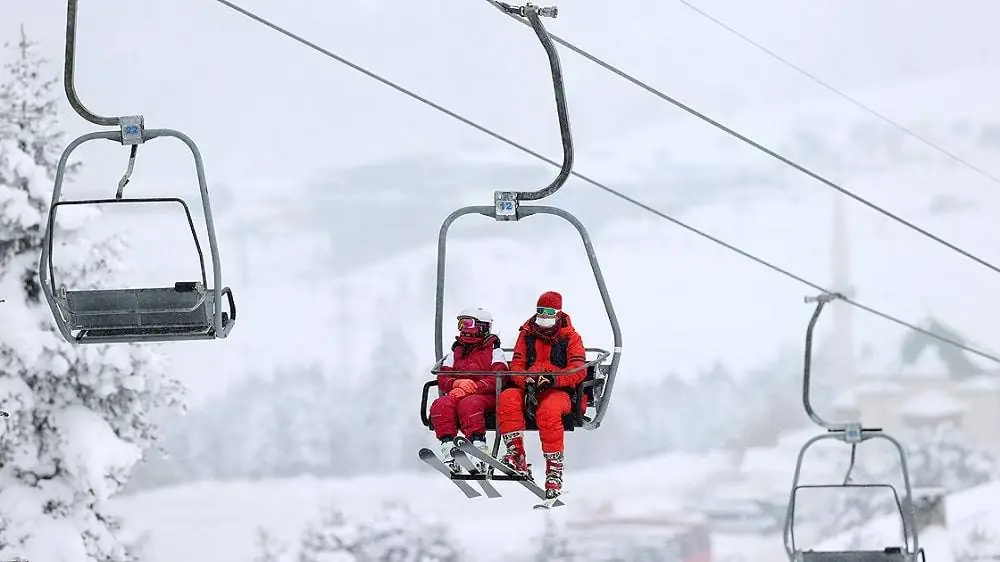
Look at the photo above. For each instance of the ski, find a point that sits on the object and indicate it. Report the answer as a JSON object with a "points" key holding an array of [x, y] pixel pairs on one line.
{"points": [[465, 462], [470, 449], [430, 458], [549, 503]]}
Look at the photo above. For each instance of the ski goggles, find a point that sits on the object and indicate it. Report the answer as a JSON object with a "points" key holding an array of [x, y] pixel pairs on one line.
{"points": [[466, 323], [546, 311]]}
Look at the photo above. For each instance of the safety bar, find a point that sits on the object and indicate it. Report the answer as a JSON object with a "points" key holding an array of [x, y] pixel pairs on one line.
{"points": [[793, 503], [46, 279], [183, 204], [522, 212], [425, 398], [533, 14], [602, 355]]}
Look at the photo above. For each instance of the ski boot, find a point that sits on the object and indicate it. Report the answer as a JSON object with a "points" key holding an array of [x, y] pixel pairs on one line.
{"points": [[553, 474], [479, 442], [448, 455], [515, 458]]}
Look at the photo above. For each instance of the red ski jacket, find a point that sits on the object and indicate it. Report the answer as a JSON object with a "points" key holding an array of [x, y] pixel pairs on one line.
{"points": [[539, 352], [481, 356]]}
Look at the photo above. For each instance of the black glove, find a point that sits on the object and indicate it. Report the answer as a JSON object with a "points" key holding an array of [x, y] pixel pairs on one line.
{"points": [[530, 398], [543, 382]]}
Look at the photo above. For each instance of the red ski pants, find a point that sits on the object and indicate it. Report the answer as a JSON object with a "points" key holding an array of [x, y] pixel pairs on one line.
{"points": [[553, 404], [449, 414]]}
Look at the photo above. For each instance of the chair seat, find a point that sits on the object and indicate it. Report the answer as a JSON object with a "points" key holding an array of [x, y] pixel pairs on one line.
{"points": [[182, 312], [887, 555]]}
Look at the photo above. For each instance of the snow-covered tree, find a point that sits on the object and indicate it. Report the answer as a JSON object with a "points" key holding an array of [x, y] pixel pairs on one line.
{"points": [[287, 424], [300, 429], [234, 438], [28, 111], [395, 534], [942, 456], [79, 416], [980, 544], [269, 548], [553, 546], [389, 395], [331, 539], [938, 457]]}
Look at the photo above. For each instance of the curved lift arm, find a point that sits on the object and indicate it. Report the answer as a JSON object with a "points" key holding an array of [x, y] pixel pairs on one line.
{"points": [[533, 15], [506, 201], [852, 433], [69, 80]]}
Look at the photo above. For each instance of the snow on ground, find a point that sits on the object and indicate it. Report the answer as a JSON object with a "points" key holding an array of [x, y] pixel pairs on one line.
{"points": [[663, 484], [966, 510], [178, 517], [666, 484]]}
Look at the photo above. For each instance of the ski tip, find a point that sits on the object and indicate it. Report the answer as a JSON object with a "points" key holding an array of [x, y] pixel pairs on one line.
{"points": [[549, 504]]}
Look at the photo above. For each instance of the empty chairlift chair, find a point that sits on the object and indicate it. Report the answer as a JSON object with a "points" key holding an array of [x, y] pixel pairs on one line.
{"points": [[909, 552], [189, 310], [852, 433]]}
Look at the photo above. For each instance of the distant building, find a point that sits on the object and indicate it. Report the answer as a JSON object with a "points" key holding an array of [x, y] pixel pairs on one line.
{"points": [[925, 393], [920, 382]]}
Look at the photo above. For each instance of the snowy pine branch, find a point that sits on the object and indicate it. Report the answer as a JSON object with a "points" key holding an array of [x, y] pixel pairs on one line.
{"points": [[79, 417]]}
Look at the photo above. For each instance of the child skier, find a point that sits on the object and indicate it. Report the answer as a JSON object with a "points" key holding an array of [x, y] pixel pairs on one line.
{"points": [[467, 398]]}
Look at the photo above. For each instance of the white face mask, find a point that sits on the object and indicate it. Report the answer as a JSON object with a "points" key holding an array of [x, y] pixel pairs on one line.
{"points": [[545, 322]]}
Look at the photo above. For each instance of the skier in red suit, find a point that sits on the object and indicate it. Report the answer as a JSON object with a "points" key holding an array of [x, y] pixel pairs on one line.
{"points": [[547, 342], [467, 398]]}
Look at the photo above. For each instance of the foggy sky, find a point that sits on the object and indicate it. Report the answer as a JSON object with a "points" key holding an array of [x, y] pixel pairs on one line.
{"points": [[270, 114]]}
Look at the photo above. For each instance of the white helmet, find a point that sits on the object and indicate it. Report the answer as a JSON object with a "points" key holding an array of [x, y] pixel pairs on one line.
{"points": [[480, 314]]}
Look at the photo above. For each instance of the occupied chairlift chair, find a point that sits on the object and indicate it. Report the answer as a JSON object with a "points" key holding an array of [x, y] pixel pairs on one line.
{"points": [[190, 310], [589, 389], [602, 365], [854, 434]]}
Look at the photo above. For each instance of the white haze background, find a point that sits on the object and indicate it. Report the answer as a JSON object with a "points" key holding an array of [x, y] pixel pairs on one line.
{"points": [[329, 189]]}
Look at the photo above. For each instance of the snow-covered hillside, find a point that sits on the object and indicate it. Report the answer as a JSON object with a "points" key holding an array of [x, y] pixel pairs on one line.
{"points": [[825, 133], [177, 517], [966, 511], [174, 518]]}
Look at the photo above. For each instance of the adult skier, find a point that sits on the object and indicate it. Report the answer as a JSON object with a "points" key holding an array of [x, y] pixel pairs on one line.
{"points": [[546, 343], [467, 398]]}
